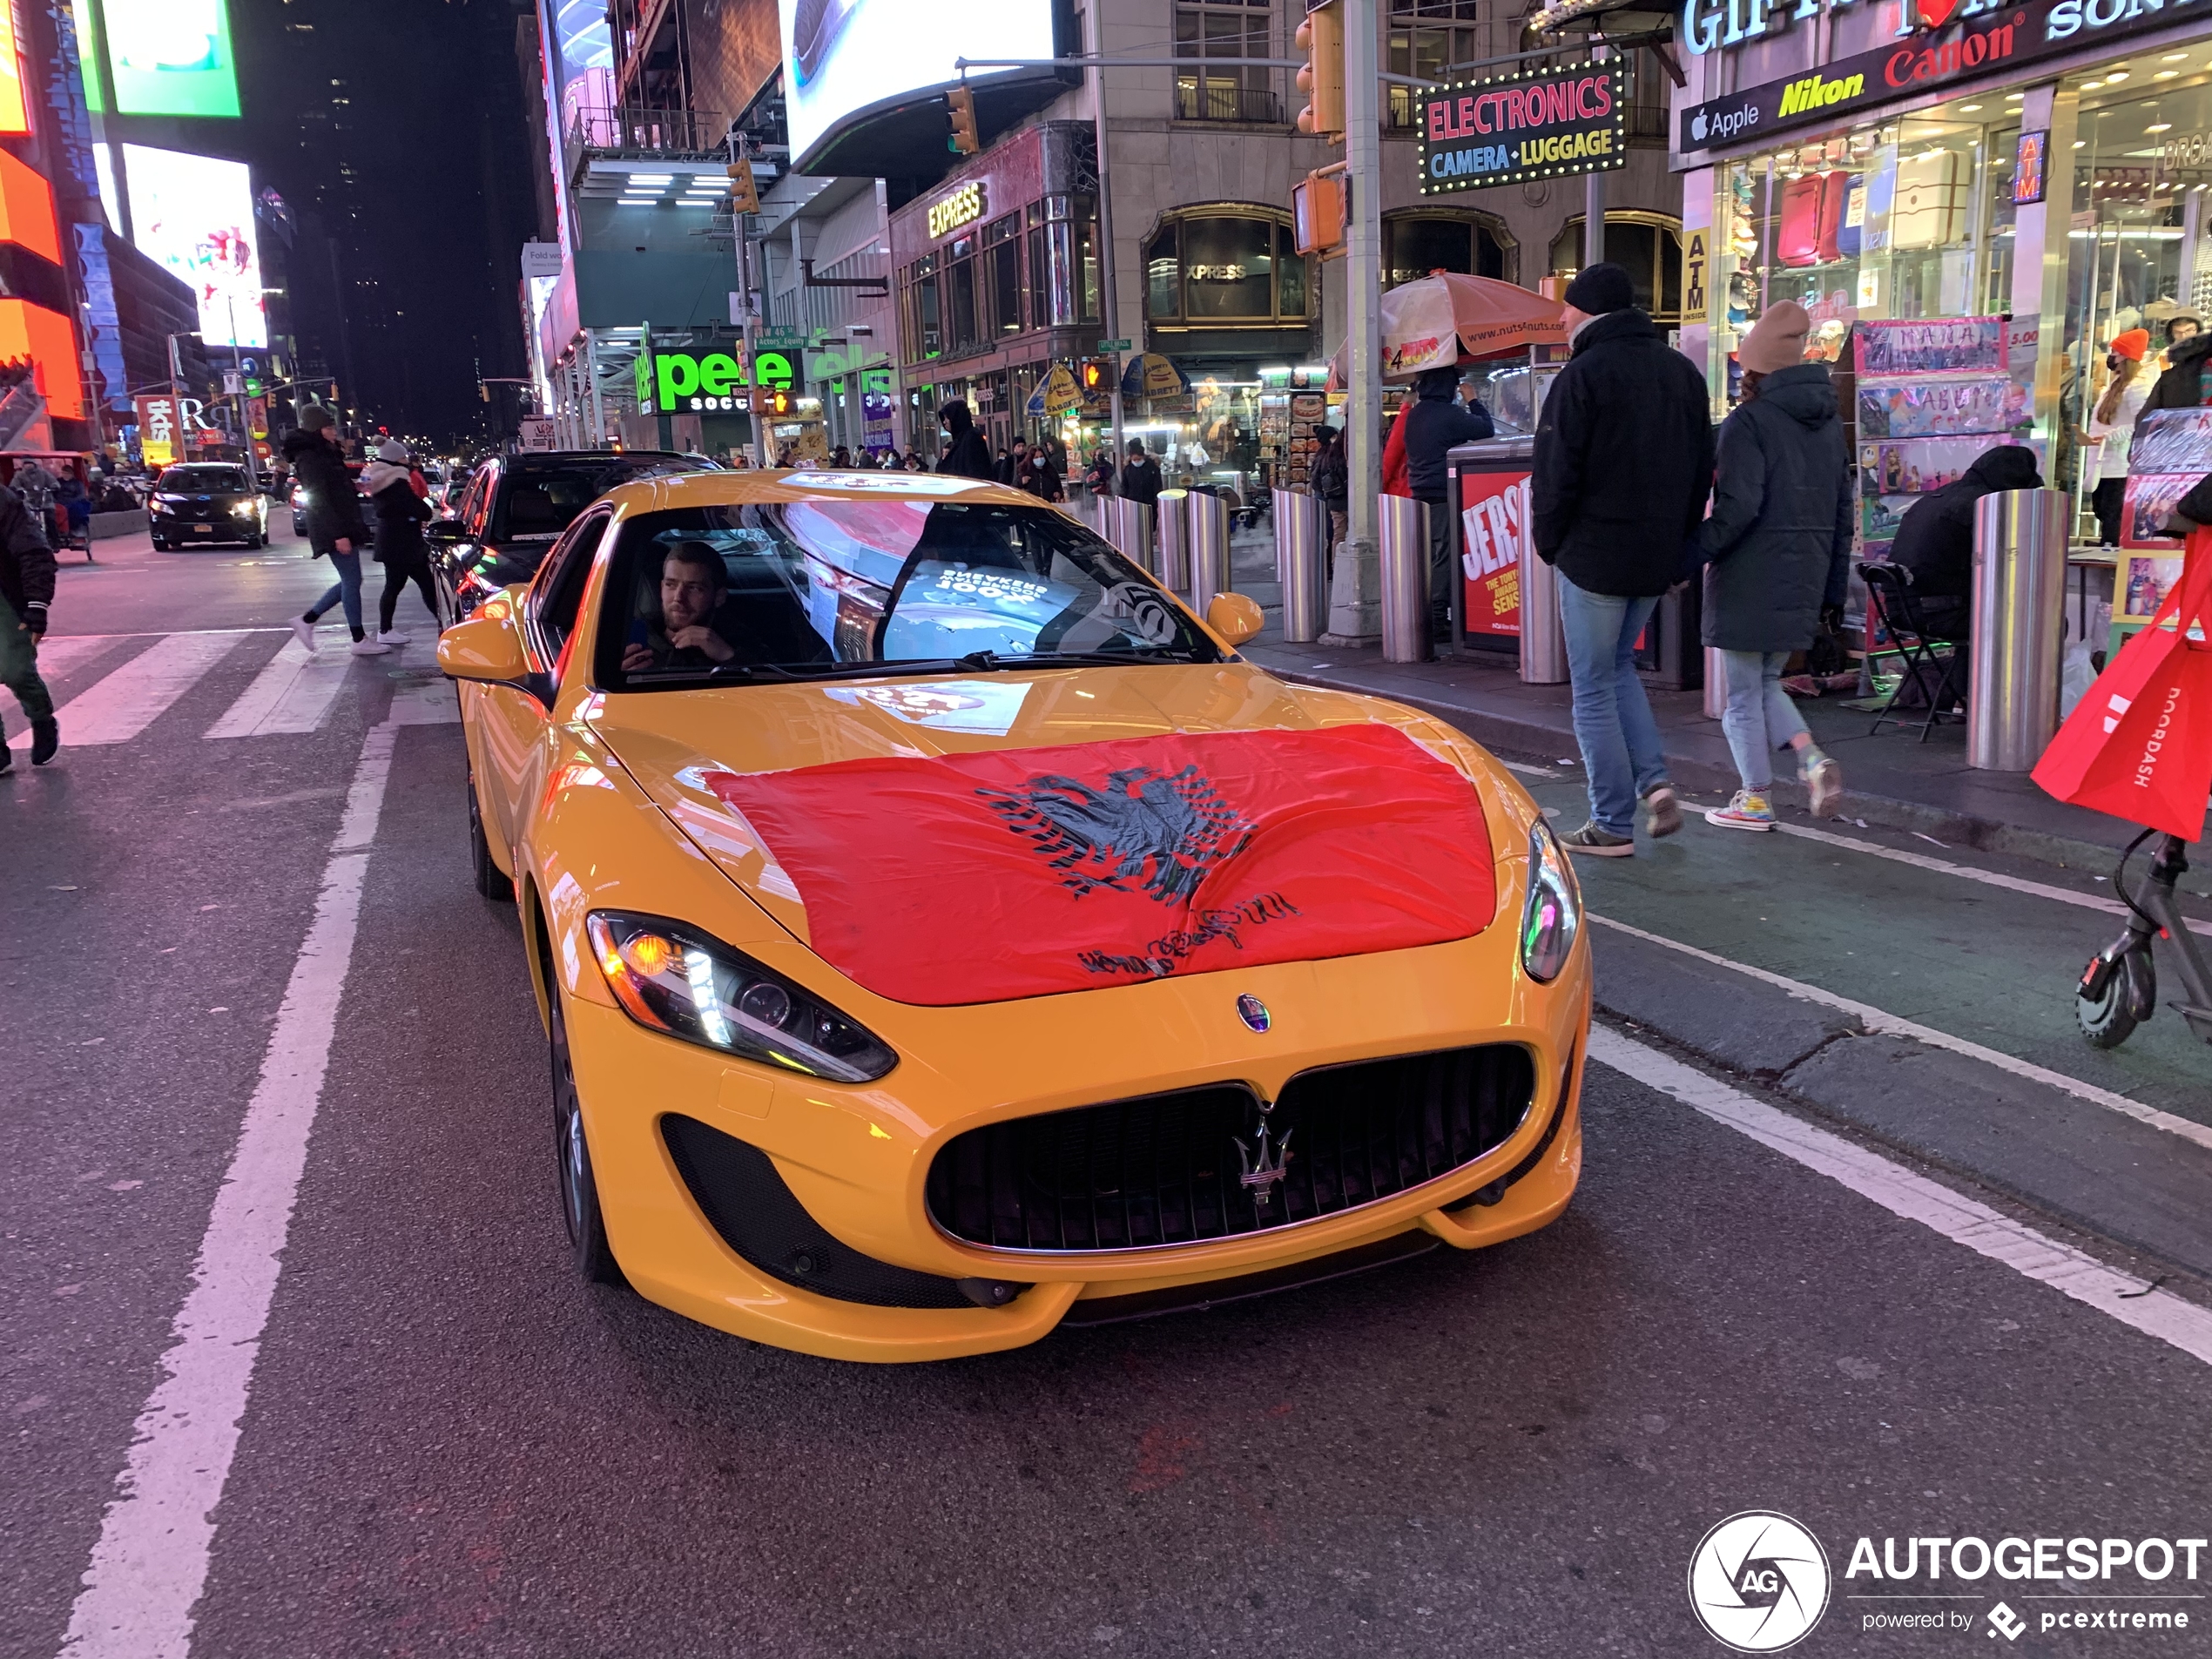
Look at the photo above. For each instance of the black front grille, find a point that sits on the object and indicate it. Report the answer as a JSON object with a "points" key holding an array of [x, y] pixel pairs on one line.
{"points": [[1168, 1169], [745, 1200]]}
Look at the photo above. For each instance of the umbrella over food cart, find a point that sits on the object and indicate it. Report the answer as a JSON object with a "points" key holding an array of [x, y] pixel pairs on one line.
{"points": [[1447, 318]]}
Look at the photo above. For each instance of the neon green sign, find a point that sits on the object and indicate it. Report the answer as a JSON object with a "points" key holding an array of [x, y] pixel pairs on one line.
{"points": [[672, 382]]}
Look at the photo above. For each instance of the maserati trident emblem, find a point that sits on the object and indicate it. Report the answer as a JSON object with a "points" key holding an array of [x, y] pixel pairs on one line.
{"points": [[1253, 1012], [1264, 1171]]}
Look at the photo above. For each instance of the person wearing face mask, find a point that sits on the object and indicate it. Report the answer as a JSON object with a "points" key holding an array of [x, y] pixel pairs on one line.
{"points": [[2112, 429]]}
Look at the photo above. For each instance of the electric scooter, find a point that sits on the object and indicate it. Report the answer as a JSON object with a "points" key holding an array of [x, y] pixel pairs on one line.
{"points": [[2119, 989]]}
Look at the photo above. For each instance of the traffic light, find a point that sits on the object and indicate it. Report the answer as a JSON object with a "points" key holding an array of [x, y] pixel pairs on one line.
{"points": [[1317, 212], [744, 195], [959, 103], [772, 401], [1320, 37]]}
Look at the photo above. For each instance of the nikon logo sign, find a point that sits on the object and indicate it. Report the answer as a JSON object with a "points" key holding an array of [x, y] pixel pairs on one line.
{"points": [[672, 381], [1813, 93]]}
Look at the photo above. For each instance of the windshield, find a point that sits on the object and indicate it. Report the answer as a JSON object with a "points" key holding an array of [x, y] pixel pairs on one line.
{"points": [[202, 480], [822, 589], [542, 500]]}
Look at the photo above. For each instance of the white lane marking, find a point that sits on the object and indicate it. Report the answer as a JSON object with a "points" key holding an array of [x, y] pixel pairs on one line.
{"points": [[164, 633], [149, 1564], [58, 654], [1527, 772], [1885, 1024], [1987, 1232], [293, 693], [1968, 872], [123, 703]]}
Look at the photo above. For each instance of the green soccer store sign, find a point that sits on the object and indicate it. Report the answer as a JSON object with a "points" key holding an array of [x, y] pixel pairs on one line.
{"points": [[671, 382]]}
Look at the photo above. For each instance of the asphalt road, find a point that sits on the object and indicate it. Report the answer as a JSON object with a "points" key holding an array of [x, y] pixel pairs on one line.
{"points": [[453, 1447]]}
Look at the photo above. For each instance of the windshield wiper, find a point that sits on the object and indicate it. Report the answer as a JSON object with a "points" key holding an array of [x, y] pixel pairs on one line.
{"points": [[1096, 658]]}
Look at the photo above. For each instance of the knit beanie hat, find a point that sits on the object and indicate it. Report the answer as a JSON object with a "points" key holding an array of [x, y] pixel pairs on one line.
{"points": [[1602, 287], [1778, 340], [2133, 344]]}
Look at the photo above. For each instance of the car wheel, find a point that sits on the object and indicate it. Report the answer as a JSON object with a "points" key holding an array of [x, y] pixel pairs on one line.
{"points": [[579, 1191], [255, 543], [491, 880]]}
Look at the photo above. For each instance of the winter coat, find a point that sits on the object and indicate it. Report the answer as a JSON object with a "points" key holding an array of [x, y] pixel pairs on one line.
{"points": [[1398, 477], [1779, 537], [1624, 459], [1935, 539], [1141, 481], [400, 513], [334, 510], [968, 452], [26, 562], [1433, 423], [2181, 386], [1330, 478], [1042, 481]]}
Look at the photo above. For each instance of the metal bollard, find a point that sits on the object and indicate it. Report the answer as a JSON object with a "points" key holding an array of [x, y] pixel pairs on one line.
{"points": [[1543, 641], [2019, 605], [1403, 524], [1127, 525], [1206, 519], [1300, 566], [1174, 568]]}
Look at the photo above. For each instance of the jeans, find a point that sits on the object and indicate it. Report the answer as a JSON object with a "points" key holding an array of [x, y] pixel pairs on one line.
{"points": [[1613, 723], [19, 665], [1760, 717], [346, 588]]}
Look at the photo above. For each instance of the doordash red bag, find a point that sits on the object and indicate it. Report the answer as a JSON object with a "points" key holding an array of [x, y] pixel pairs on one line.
{"points": [[2139, 746]]}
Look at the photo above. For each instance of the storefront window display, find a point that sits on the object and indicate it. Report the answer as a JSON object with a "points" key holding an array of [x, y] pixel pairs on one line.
{"points": [[1206, 268], [1024, 271], [1416, 245]]}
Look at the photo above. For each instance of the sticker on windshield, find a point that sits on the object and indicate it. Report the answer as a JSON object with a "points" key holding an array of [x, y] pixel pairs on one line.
{"points": [[911, 483]]}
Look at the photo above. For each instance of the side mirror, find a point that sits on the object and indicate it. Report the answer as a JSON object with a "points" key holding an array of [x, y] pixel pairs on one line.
{"points": [[1234, 618], [444, 531], [486, 647]]}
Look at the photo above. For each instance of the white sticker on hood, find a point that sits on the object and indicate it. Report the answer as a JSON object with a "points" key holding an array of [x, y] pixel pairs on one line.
{"points": [[982, 708]]}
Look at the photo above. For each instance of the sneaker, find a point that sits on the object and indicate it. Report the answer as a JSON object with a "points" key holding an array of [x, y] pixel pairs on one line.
{"points": [[366, 647], [1598, 843], [393, 637], [304, 631], [1748, 811], [45, 740], [1825, 779], [1662, 812]]}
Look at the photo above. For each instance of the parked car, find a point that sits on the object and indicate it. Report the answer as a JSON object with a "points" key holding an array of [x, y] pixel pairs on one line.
{"points": [[206, 503], [515, 507], [300, 499]]}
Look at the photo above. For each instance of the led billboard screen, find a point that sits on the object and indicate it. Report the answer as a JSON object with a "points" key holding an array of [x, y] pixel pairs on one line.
{"points": [[15, 114], [166, 57], [844, 56], [195, 215]]}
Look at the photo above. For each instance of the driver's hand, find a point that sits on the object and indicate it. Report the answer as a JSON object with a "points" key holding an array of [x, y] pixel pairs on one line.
{"points": [[635, 657], [698, 636]]}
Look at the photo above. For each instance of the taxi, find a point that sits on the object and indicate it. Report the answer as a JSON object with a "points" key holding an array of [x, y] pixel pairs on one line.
{"points": [[943, 934]]}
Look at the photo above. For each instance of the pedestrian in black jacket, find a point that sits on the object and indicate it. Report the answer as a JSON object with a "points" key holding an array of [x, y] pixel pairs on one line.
{"points": [[1624, 463], [388, 482], [2181, 386], [26, 590], [1141, 475], [1935, 539], [1328, 475], [968, 452], [1435, 423], [336, 530], [1779, 546]]}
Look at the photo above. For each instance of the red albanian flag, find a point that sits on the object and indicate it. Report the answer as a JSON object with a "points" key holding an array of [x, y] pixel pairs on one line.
{"points": [[981, 878]]}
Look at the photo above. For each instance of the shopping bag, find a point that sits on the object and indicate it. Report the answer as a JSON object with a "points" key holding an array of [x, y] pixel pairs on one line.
{"points": [[2139, 746]]}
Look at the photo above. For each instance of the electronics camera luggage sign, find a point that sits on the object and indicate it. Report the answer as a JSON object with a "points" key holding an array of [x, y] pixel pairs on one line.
{"points": [[1546, 125]]}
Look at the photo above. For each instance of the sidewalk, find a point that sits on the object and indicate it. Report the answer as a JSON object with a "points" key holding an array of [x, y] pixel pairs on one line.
{"points": [[1891, 779]]}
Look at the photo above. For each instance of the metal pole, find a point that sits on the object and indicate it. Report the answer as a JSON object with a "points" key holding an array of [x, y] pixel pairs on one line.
{"points": [[1353, 613], [1109, 290], [2020, 624], [743, 319], [591, 367], [1594, 202]]}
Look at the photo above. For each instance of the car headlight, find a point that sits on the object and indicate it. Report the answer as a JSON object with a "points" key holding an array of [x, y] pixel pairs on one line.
{"points": [[160, 506], [244, 509], [1552, 914], [677, 980]]}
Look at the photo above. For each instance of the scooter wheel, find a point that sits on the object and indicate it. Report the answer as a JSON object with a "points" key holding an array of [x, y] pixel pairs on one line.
{"points": [[2107, 1015]]}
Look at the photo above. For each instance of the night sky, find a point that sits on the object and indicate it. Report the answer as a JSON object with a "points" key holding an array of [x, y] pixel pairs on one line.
{"points": [[397, 131]]}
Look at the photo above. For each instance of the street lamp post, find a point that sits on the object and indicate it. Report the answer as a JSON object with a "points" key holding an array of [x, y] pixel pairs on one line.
{"points": [[1355, 613]]}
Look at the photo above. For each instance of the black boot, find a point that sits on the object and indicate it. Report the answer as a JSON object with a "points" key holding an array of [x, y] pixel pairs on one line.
{"points": [[7, 760], [45, 738]]}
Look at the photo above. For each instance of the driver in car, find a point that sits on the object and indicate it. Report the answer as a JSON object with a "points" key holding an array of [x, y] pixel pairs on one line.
{"points": [[692, 586]]}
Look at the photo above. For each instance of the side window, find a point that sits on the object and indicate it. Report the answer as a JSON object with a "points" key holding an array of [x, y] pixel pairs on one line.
{"points": [[476, 505], [559, 588]]}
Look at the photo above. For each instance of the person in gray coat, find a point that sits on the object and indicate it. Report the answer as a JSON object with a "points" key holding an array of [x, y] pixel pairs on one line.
{"points": [[1779, 543]]}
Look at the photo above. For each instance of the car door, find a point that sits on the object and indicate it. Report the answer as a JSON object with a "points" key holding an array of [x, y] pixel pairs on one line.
{"points": [[514, 723]]}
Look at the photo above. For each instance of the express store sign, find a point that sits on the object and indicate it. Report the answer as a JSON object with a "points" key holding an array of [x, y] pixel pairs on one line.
{"points": [[1976, 40], [1516, 127]]}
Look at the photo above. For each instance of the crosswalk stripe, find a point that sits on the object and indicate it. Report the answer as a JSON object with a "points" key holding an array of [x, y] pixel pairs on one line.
{"points": [[117, 708], [430, 703], [58, 654], [293, 693]]}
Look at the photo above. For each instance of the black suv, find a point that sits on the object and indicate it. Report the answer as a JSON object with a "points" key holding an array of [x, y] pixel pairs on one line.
{"points": [[206, 501], [515, 508]]}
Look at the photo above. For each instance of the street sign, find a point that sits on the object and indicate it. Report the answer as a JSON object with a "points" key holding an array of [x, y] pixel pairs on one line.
{"points": [[538, 432], [1113, 344], [233, 383]]}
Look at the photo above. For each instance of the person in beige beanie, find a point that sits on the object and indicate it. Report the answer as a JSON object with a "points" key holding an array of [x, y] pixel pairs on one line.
{"points": [[1779, 546]]}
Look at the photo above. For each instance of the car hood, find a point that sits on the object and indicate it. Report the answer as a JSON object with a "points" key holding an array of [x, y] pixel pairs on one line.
{"points": [[960, 838]]}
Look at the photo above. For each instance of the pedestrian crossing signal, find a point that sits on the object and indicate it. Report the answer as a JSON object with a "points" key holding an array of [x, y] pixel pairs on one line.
{"points": [[744, 195], [961, 105], [767, 401]]}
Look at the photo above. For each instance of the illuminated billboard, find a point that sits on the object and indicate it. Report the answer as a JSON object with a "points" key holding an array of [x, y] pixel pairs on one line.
{"points": [[164, 57], [843, 57], [15, 114], [194, 214]]}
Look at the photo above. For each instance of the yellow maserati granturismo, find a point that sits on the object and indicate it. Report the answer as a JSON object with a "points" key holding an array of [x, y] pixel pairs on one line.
{"points": [[943, 935]]}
